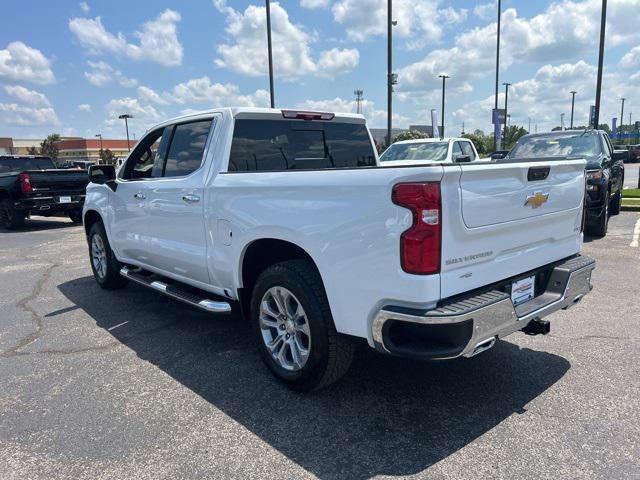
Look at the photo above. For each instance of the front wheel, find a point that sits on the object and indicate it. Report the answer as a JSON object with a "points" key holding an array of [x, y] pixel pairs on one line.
{"points": [[602, 223], [105, 266], [294, 327], [11, 218]]}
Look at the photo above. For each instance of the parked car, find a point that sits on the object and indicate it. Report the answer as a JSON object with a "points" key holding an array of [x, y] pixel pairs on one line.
{"points": [[499, 154], [634, 153], [33, 185], [427, 150], [287, 216], [605, 168]]}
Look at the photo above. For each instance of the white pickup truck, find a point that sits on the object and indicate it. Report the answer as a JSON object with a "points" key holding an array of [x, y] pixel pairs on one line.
{"points": [[288, 217], [427, 150]]}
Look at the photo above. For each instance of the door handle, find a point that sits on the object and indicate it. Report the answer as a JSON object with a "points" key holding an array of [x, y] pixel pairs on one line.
{"points": [[191, 198], [139, 196]]}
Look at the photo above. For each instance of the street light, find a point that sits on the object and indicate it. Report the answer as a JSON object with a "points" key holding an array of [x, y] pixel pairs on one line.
{"points": [[358, 93], [444, 79], [573, 101], [506, 104], [621, 119], [100, 154], [562, 121], [603, 22], [495, 135], [126, 117], [273, 101]]}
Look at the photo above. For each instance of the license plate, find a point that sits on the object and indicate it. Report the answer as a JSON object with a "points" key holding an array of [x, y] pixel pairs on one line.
{"points": [[64, 199], [522, 290]]}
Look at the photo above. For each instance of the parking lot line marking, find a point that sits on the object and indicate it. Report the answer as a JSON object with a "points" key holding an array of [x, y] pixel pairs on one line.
{"points": [[636, 235], [116, 326]]}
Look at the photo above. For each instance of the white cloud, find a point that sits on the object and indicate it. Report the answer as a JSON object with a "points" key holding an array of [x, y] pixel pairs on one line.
{"points": [[314, 3], [23, 63], [28, 97], [420, 21], [631, 59], [292, 54], [201, 92], [486, 11], [374, 116], [144, 116], [158, 39], [14, 114], [102, 73], [84, 6], [84, 107]]}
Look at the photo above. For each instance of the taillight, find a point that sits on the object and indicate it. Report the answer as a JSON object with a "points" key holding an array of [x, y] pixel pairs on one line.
{"points": [[304, 115], [25, 183], [420, 245]]}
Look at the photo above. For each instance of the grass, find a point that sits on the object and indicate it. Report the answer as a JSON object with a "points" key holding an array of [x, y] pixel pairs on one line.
{"points": [[631, 193]]}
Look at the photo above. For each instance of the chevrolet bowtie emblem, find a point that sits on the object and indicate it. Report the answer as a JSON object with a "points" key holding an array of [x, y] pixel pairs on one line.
{"points": [[536, 200]]}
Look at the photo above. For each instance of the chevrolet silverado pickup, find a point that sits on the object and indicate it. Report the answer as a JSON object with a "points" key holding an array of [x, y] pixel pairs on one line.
{"points": [[426, 150], [32, 185], [287, 217]]}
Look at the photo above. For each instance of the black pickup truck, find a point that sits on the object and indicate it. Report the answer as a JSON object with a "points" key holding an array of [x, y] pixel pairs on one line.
{"points": [[31, 185]]}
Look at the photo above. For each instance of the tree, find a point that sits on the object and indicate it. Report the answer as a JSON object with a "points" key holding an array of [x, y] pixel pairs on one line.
{"points": [[107, 157], [33, 151], [483, 143], [512, 134], [49, 147], [410, 135]]}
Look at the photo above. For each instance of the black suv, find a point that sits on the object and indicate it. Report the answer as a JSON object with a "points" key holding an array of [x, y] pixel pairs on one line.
{"points": [[605, 168]]}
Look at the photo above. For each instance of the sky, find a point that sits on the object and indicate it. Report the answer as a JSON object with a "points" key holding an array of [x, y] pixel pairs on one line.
{"points": [[72, 67]]}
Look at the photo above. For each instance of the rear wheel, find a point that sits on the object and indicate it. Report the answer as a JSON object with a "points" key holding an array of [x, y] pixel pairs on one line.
{"points": [[76, 216], [11, 218], [616, 202], [294, 327], [105, 266]]}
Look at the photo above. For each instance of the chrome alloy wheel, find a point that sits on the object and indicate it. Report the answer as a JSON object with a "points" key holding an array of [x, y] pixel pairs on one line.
{"points": [[99, 256], [285, 328]]}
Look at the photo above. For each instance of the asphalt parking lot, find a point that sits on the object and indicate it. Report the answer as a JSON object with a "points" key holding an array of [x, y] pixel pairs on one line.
{"points": [[129, 384]]}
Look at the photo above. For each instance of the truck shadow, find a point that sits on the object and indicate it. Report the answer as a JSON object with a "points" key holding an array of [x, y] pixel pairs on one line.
{"points": [[42, 223], [388, 416]]}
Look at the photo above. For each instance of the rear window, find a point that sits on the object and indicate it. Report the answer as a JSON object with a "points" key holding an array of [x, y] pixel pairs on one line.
{"points": [[20, 164], [276, 145], [540, 146]]}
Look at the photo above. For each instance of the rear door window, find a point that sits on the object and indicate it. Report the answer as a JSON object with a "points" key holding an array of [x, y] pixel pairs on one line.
{"points": [[468, 150], [277, 145]]}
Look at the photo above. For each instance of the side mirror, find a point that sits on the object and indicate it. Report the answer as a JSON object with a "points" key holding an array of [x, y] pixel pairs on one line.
{"points": [[498, 156], [463, 159], [102, 174], [620, 155]]}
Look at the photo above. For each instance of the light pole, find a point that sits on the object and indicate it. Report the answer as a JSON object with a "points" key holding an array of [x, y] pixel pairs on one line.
{"points": [[358, 94], [562, 121], [573, 101], [603, 22], [621, 119], [390, 76], [495, 135], [444, 80], [126, 117], [273, 100], [630, 128], [506, 104], [99, 154], [529, 130]]}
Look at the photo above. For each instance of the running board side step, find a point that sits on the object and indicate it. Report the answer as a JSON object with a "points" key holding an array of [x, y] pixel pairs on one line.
{"points": [[174, 291]]}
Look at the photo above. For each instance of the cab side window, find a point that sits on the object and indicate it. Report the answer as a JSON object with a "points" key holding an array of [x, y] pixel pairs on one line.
{"points": [[147, 158], [457, 151], [467, 149]]}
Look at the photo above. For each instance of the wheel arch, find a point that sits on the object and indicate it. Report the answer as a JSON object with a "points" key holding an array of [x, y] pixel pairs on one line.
{"points": [[90, 218]]}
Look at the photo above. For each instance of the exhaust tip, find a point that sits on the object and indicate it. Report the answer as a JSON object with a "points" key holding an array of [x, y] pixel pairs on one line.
{"points": [[484, 345]]}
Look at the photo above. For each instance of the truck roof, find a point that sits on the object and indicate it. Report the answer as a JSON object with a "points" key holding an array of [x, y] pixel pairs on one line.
{"points": [[259, 112], [432, 140]]}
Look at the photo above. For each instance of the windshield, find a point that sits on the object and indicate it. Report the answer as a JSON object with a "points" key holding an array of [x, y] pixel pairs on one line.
{"points": [[431, 151], [581, 144]]}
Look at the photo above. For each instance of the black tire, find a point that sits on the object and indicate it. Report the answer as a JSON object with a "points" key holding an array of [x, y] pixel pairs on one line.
{"points": [[110, 279], [330, 353], [11, 218], [76, 216], [602, 223], [616, 203]]}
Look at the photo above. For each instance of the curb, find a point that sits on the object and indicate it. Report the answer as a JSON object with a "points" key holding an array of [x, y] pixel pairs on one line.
{"points": [[628, 208]]}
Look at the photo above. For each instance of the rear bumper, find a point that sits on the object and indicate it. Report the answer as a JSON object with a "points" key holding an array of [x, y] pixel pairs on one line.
{"points": [[469, 324], [49, 204]]}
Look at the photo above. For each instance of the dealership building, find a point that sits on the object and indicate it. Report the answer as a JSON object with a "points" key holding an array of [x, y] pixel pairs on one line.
{"points": [[71, 149]]}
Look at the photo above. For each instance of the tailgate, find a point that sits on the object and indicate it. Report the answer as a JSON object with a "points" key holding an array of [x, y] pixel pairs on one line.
{"points": [[508, 218], [58, 181]]}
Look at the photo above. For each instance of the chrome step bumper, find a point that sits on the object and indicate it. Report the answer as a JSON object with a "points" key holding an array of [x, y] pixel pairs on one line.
{"points": [[173, 290], [469, 325]]}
